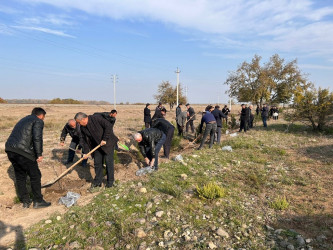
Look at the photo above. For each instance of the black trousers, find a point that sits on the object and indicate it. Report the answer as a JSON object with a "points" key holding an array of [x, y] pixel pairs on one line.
{"points": [[24, 167], [71, 153], [243, 125], [99, 158], [168, 142], [190, 123]]}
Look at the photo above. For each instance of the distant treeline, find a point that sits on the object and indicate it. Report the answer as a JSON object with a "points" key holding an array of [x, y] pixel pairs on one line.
{"points": [[53, 101]]}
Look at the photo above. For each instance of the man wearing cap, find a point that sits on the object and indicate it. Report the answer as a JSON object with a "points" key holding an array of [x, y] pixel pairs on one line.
{"points": [[147, 116], [190, 118]]}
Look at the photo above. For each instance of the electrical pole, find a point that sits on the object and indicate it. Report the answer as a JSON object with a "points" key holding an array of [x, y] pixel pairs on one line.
{"points": [[186, 92], [114, 91], [177, 72]]}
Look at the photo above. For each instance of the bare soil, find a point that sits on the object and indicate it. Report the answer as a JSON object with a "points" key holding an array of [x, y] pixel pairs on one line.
{"points": [[13, 217]]}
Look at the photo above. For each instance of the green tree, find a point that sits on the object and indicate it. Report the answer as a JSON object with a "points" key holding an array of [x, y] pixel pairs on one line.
{"points": [[2, 100], [272, 82], [312, 106], [168, 94], [64, 101]]}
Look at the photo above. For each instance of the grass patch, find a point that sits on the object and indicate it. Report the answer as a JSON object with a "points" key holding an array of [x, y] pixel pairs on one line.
{"points": [[210, 191], [280, 203]]}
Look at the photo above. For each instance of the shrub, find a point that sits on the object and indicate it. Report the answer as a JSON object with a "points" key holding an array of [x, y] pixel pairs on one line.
{"points": [[64, 101], [2, 100], [210, 191], [279, 203], [233, 122]]}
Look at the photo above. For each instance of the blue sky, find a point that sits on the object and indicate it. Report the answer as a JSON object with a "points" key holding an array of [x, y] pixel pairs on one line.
{"points": [[70, 49]]}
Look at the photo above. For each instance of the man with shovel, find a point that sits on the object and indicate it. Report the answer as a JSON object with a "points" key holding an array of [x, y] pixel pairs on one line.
{"points": [[95, 130], [73, 130], [24, 148]]}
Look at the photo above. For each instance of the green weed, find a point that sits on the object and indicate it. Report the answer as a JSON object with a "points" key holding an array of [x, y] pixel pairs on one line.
{"points": [[279, 203], [210, 191]]}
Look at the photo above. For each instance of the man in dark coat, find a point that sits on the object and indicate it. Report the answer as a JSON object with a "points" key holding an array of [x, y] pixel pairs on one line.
{"points": [[147, 116], [244, 118], [209, 119], [96, 130], [73, 130], [168, 129], [257, 110], [110, 117], [150, 143], [251, 117], [264, 115], [217, 113], [24, 149], [190, 117], [226, 112]]}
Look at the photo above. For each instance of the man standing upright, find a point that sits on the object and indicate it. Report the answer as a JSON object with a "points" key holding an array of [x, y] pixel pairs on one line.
{"points": [[24, 149], [190, 117], [264, 115], [217, 113], [73, 130], [96, 130], [226, 111], [251, 116], [244, 118], [147, 116]]}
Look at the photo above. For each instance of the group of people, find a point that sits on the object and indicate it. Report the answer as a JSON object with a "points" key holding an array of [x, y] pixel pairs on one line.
{"points": [[24, 146]]}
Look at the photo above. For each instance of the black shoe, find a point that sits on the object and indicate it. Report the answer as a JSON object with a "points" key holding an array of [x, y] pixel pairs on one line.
{"points": [[26, 204], [41, 204], [93, 185], [109, 185]]}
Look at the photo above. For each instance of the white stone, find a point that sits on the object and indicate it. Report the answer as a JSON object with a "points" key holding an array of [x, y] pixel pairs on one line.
{"points": [[140, 233], [48, 222], [159, 214], [222, 233], [58, 218], [211, 245], [143, 190]]}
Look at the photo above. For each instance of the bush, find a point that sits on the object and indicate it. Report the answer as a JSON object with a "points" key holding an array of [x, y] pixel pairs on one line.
{"points": [[2, 100], [64, 101], [279, 203], [210, 191], [233, 122]]}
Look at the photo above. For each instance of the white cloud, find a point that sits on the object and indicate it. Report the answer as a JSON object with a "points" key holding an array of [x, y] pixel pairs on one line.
{"points": [[44, 30], [288, 25], [5, 30]]}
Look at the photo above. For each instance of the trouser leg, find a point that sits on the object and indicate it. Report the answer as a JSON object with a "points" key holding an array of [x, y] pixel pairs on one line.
{"points": [[71, 151], [158, 147], [180, 129], [109, 168], [218, 135], [212, 135], [168, 142], [98, 164], [35, 180], [187, 125], [206, 133], [241, 127]]}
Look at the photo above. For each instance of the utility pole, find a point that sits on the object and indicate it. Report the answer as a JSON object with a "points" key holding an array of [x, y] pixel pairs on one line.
{"points": [[177, 72], [114, 90], [186, 92]]}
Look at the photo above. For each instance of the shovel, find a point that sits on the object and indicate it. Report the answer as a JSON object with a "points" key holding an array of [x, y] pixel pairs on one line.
{"points": [[69, 169]]}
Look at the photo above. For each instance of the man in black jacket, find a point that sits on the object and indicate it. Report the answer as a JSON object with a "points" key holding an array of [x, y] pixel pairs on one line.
{"points": [[168, 129], [264, 115], [190, 117], [96, 130], [251, 117], [150, 143], [226, 112], [24, 149], [217, 113], [147, 116], [244, 118], [110, 117], [73, 130]]}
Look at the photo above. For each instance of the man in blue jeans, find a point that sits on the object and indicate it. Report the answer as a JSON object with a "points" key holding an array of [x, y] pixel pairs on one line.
{"points": [[150, 142], [264, 115]]}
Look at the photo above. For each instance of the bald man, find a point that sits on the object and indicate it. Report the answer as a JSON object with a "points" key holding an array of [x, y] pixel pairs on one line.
{"points": [[73, 129]]}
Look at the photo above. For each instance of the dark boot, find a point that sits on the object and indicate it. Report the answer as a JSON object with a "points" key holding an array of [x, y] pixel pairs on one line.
{"points": [[41, 204]]}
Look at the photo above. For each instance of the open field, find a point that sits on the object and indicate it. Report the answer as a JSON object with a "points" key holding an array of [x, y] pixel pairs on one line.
{"points": [[264, 167]]}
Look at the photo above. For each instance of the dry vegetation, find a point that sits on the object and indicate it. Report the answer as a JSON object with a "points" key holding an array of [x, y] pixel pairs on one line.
{"points": [[276, 190]]}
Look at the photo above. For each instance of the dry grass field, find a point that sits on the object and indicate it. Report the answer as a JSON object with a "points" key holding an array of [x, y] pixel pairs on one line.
{"points": [[278, 189]]}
